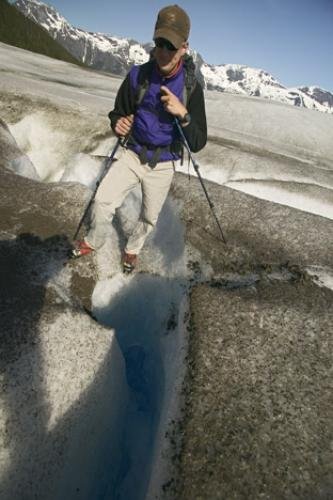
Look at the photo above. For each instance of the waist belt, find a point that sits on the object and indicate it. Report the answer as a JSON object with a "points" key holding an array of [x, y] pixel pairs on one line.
{"points": [[175, 147]]}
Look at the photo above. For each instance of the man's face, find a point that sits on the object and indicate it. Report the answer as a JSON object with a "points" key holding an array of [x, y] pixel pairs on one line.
{"points": [[167, 56]]}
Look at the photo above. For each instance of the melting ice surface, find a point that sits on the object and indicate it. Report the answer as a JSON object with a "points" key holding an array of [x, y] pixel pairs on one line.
{"points": [[144, 312], [271, 151]]}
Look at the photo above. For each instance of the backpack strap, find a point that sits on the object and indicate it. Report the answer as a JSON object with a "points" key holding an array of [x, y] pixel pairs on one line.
{"points": [[142, 77], [190, 78]]}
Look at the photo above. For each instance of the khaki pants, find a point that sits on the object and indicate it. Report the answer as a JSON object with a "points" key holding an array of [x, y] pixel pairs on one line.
{"points": [[124, 175]]}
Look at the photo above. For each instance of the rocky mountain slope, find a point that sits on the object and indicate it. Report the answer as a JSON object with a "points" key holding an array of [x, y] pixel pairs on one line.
{"points": [[100, 51], [108, 53], [17, 30]]}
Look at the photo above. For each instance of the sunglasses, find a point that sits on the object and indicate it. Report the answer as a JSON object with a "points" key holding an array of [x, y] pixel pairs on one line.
{"points": [[162, 43]]}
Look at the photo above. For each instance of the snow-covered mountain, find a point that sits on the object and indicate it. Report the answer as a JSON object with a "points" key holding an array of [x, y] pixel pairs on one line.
{"points": [[241, 79], [100, 51], [112, 54]]}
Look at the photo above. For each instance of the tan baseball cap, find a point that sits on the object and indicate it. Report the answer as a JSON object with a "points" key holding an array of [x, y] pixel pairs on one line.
{"points": [[173, 24]]}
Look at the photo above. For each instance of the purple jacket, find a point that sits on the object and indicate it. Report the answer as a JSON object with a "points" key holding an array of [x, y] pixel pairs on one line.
{"points": [[153, 126]]}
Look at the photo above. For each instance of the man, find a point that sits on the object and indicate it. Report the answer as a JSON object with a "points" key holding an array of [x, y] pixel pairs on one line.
{"points": [[147, 103]]}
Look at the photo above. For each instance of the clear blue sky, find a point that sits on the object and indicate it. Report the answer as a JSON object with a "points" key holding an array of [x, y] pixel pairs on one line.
{"points": [[291, 39]]}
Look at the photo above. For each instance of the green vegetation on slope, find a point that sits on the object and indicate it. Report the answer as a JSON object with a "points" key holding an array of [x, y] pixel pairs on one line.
{"points": [[18, 30]]}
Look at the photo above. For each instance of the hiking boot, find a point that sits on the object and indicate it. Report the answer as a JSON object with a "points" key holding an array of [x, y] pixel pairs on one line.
{"points": [[129, 262], [80, 249]]}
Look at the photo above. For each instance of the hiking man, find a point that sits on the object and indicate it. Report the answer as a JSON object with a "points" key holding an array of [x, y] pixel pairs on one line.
{"points": [[148, 101]]}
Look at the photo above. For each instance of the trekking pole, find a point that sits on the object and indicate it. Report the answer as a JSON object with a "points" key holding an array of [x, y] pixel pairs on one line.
{"points": [[107, 166], [196, 168]]}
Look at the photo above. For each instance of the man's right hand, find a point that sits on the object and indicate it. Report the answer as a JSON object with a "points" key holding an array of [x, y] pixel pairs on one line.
{"points": [[124, 125]]}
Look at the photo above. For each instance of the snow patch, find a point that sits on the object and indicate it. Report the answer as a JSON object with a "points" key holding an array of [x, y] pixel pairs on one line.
{"points": [[290, 198], [106, 290], [323, 276], [42, 144], [83, 169]]}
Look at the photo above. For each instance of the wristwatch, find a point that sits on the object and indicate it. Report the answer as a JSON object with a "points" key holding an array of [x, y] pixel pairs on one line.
{"points": [[186, 119]]}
